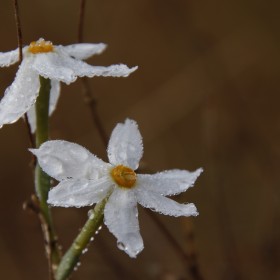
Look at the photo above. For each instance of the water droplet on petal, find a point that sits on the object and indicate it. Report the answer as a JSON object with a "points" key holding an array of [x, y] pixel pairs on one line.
{"points": [[121, 246]]}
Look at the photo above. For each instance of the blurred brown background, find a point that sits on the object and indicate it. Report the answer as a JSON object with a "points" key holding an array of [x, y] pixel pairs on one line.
{"points": [[206, 94]]}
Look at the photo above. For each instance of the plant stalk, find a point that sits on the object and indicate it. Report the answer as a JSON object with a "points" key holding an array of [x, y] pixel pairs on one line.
{"points": [[42, 180]]}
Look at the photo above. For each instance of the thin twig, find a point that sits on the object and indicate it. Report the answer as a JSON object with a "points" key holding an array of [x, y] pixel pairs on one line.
{"points": [[92, 103], [18, 26], [81, 21], [19, 39], [88, 96]]}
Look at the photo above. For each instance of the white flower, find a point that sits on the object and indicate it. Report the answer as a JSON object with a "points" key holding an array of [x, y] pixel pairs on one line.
{"points": [[59, 64], [86, 179]]}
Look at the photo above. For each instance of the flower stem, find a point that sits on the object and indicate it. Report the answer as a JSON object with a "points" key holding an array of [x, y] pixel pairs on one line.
{"points": [[42, 112], [72, 256], [42, 180]]}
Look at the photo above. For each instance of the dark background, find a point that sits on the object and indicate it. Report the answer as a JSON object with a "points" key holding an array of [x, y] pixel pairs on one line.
{"points": [[206, 95]]}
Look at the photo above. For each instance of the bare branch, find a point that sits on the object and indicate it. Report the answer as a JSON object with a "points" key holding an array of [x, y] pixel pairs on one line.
{"points": [[19, 39], [81, 21]]}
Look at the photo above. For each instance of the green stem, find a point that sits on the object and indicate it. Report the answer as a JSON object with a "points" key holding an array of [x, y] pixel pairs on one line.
{"points": [[72, 256], [42, 180], [42, 112]]}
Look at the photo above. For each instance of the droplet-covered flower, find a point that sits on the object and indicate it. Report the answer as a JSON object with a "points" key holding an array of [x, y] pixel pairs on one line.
{"points": [[57, 63], [85, 180]]}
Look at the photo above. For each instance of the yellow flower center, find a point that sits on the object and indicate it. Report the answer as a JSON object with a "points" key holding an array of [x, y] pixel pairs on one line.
{"points": [[124, 176], [41, 46]]}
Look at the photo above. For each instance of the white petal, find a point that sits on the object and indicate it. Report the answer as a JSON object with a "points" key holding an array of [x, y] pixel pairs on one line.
{"points": [[9, 58], [121, 218], [169, 182], [118, 70], [79, 193], [31, 116], [65, 160], [54, 95], [84, 50], [20, 95], [164, 205], [55, 67], [125, 145]]}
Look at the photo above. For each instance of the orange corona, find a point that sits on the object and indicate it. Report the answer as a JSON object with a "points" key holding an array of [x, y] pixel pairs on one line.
{"points": [[40, 46], [124, 176]]}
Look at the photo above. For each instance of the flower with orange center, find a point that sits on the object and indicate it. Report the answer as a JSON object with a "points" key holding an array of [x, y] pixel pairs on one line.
{"points": [[85, 179], [57, 63]]}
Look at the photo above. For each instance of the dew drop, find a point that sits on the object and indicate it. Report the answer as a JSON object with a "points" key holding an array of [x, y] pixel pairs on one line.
{"points": [[85, 250], [91, 239], [97, 231], [77, 266], [91, 214], [121, 246]]}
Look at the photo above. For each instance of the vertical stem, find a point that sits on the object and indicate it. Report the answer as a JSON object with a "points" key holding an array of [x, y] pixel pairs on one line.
{"points": [[81, 20], [19, 39], [72, 256], [87, 92], [19, 32], [90, 100], [42, 180], [42, 112]]}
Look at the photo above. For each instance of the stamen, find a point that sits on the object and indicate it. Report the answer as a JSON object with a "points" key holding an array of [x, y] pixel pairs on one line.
{"points": [[41, 46], [124, 176]]}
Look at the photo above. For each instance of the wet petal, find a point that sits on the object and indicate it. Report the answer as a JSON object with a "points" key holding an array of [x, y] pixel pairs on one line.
{"points": [[20, 95], [79, 193], [118, 70], [125, 145], [84, 50], [169, 182], [54, 95], [9, 58], [121, 218], [164, 205], [55, 66], [31, 116], [65, 160]]}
